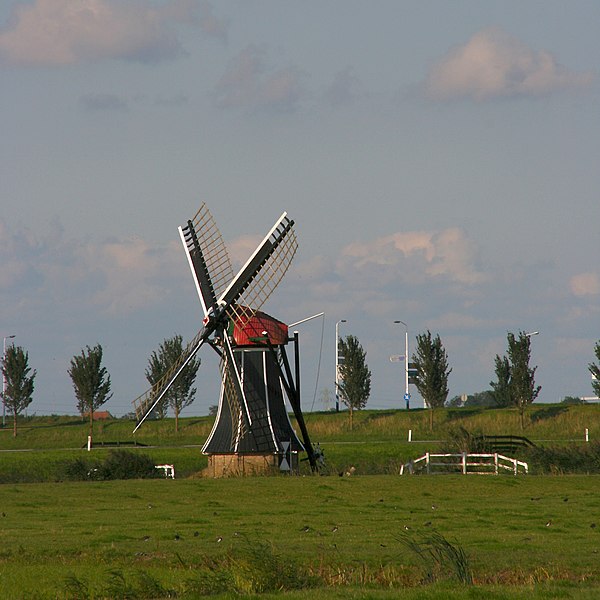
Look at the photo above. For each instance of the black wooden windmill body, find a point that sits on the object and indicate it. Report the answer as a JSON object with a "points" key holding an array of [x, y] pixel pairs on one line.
{"points": [[252, 430]]}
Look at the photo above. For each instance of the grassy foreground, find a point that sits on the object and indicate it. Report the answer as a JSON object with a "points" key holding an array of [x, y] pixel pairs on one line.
{"points": [[297, 537], [307, 537]]}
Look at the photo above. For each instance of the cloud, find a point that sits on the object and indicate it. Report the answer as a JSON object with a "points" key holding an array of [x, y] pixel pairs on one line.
{"points": [[100, 102], [494, 64], [447, 254], [344, 89], [211, 25], [585, 284], [64, 32], [248, 83], [115, 276]]}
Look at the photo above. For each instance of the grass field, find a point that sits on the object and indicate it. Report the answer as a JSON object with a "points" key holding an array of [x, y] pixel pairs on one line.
{"points": [[333, 534], [297, 537]]}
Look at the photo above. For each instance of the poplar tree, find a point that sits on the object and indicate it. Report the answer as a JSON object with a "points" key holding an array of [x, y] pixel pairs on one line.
{"points": [[91, 382], [516, 379], [355, 383], [19, 382], [160, 364], [595, 371], [431, 362]]}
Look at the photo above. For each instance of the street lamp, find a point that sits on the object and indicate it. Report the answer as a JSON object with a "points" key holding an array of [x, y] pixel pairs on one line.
{"points": [[337, 364], [406, 392], [6, 337], [532, 333]]}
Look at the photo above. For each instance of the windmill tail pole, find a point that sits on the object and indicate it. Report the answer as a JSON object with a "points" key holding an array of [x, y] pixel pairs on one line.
{"points": [[292, 392]]}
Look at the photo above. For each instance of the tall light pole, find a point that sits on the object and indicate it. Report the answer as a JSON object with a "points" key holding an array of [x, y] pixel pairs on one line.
{"points": [[6, 337], [406, 391], [337, 364]]}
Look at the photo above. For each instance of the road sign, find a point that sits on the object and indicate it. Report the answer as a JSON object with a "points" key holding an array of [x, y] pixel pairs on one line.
{"points": [[397, 358], [407, 397], [413, 373]]}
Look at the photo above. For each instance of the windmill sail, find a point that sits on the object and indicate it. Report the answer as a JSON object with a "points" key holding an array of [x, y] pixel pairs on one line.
{"points": [[252, 420], [262, 272], [207, 256], [144, 405]]}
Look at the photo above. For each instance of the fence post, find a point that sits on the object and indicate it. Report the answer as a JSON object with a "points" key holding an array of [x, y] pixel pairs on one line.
{"points": [[587, 434], [410, 435], [427, 462], [496, 463], [464, 463]]}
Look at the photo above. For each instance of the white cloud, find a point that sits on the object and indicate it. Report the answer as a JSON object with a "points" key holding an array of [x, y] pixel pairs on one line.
{"points": [[62, 32], [585, 284], [115, 277], [494, 64], [212, 25], [447, 254], [248, 83]]}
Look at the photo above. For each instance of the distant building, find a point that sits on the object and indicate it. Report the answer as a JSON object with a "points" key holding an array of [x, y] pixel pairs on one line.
{"points": [[102, 415]]}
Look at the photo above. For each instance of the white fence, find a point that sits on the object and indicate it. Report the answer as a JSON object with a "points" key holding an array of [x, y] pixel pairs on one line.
{"points": [[465, 463]]}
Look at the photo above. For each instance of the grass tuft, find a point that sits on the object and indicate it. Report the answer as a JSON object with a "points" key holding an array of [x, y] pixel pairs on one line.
{"points": [[438, 556]]}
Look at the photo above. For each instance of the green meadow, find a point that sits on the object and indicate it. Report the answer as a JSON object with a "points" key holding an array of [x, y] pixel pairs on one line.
{"points": [[327, 536]]}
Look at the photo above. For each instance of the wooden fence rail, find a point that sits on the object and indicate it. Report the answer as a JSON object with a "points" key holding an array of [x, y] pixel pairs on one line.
{"points": [[465, 463]]}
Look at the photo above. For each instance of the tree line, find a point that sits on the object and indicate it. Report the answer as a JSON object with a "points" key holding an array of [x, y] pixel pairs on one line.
{"points": [[514, 385], [91, 380]]}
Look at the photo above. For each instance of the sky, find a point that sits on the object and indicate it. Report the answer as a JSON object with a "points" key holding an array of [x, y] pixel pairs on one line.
{"points": [[440, 161]]}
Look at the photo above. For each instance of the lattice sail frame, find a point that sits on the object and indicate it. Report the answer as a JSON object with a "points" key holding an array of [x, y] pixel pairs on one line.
{"points": [[283, 238], [143, 402], [283, 246], [214, 252]]}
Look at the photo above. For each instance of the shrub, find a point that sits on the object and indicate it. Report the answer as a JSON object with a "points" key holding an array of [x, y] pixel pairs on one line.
{"points": [[79, 469], [118, 464], [123, 464], [565, 459]]}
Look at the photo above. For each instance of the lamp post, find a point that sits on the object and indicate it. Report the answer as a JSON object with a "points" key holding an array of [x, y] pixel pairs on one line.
{"points": [[406, 392], [6, 337], [337, 364]]}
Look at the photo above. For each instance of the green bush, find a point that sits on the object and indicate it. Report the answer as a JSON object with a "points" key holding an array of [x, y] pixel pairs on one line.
{"points": [[565, 459], [79, 469], [123, 464], [118, 464]]}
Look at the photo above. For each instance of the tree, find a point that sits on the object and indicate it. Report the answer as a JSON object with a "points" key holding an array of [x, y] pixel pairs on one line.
{"points": [[595, 371], [19, 382], [516, 379], [91, 382], [431, 362], [355, 376], [502, 388], [161, 362], [572, 400], [483, 399]]}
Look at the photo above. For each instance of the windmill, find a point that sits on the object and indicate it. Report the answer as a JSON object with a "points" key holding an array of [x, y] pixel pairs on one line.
{"points": [[252, 431]]}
